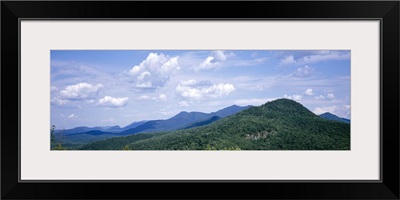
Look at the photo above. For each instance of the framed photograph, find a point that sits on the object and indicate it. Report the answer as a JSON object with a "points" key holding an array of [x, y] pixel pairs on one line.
{"points": [[265, 96]]}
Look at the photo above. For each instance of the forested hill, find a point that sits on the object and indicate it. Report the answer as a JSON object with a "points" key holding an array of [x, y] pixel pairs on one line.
{"points": [[282, 124]]}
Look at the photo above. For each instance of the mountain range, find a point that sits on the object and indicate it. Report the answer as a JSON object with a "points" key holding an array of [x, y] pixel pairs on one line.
{"points": [[282, 124], [183, 120]]}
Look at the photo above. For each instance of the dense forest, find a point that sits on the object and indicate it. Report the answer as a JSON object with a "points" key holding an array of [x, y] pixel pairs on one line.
{"points": [[282, 124]]}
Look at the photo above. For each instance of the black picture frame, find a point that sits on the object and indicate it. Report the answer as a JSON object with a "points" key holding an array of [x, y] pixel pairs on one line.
{"points": [[386, 11]]}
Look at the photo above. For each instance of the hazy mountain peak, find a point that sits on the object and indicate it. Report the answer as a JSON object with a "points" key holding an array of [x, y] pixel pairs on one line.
{"points": [[330, 116]]}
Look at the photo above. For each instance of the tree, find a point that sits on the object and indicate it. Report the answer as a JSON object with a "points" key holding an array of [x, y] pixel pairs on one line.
{"points": [[209, 147], [59, 147], [52, 137], [55, 144]]}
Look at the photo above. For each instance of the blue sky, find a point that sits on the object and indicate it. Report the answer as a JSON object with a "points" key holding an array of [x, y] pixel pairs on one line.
{"points": [[118, 87]]}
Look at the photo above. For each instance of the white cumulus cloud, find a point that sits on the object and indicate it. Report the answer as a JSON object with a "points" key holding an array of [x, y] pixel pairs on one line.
{"points": [[208, 63], [309, 92], [154, 71], [293, 97], [80, 91], [330, 96], [221, 55], [72, 116], [162, 97], [288, 60], [198, 90], [112, 102], [303, 72], [320, 97], [189, 82], [216, 59], [58, 101]]}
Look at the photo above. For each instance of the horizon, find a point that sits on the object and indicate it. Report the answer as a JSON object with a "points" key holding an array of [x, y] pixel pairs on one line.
{"points": [[118, 87], [160, 119], [189, 112]]}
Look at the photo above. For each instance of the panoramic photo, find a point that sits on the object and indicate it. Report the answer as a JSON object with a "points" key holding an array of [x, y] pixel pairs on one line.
{"points": [[200, 100]]}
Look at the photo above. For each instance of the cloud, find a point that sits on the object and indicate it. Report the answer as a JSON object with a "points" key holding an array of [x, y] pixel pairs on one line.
{"points": [[327, 97], [112, 102], [326, 55], [72, 116], [315, 57], [196, 83], [220, 55], [321, 110], [62, 68], [208, 63], [183, 104], [189, 82], [162, 97], [330, 96], [256, 83], [293, 97], [154, 71], [309, 92], [320, 97], [338, 110], [288, 60], [144, 97], [198, 90], [253, 101], [303, 72], [80, 91], [216, 59], [58, 101], [211, 60], [53, 88], [90, 101]]}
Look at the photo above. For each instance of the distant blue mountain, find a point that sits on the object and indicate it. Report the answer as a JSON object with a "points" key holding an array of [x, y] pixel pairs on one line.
{"points": [[83, 134], [92, 132], [205, 122], [228, 111], [182, 120], [109, 129], [133, 125], [148, 126], [81, 129], [112, 129], [333, 117]]}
